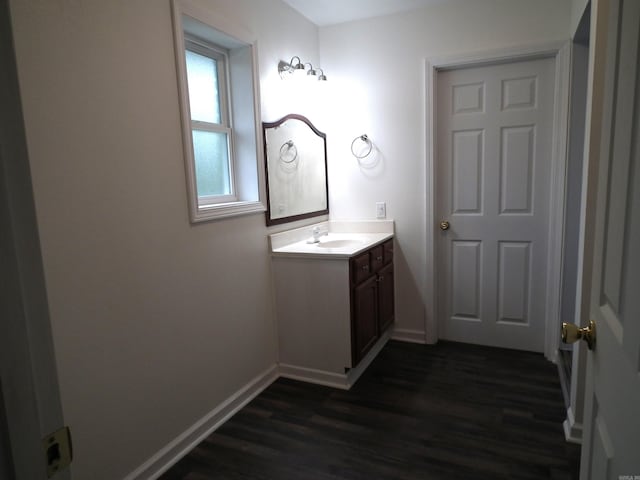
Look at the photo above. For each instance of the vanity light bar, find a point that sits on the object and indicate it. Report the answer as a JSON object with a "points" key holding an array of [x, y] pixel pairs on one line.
{"points": [[298, 68]]}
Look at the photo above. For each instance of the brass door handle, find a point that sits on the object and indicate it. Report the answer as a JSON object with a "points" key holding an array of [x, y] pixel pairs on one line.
{"points": [[444, 225], [572, 333]]}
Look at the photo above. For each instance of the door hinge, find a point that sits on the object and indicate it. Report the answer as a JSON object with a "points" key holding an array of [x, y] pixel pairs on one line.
{"points": [[58, 452]]}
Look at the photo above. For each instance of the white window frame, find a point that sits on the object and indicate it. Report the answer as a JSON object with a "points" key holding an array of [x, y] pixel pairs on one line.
{"points": [[195, 23], [219, 54]]}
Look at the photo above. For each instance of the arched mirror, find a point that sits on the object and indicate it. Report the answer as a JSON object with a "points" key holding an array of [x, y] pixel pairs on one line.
{"points": [[296, 162]]}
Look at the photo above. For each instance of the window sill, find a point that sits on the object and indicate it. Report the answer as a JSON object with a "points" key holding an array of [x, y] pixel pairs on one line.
{"points": [[226, 210]]}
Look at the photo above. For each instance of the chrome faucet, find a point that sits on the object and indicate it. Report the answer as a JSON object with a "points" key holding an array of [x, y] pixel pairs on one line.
{"points": [[316, 233]]}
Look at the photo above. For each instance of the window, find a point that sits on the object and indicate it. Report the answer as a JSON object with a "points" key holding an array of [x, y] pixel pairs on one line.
{"points": [[220, 121], [210, 123]]}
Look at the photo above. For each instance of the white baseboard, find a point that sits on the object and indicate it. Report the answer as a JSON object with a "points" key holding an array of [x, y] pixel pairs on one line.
{"points": [[343, 381], [572, 429], [186, 441], [412, 336], [354, 373], [319, 377]]}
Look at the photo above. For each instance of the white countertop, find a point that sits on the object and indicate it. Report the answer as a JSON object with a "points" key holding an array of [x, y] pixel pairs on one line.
{"points": [[340, 239]]}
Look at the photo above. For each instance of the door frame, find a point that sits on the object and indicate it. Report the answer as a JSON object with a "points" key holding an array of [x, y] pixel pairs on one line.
{"points": [[561, 52], [31, 401]]}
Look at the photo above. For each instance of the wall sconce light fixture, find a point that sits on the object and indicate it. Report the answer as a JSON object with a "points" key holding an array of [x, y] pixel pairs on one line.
{"points": [[296, 68]]}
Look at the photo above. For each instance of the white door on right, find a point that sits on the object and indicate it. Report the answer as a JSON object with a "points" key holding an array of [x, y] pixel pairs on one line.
{"points": [[611, 441], [494, 133]]}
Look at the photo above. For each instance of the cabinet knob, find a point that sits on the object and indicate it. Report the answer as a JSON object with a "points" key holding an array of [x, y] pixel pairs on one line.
{"points": [[365, 268], [379, 258]]}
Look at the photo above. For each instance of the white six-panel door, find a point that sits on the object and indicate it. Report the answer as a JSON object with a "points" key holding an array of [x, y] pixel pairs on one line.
{"points": [[493, 161], [611, 442]]}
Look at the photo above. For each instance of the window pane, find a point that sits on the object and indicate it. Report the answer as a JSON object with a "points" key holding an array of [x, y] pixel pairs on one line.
{"points": [[204, 97], [212, 163]]}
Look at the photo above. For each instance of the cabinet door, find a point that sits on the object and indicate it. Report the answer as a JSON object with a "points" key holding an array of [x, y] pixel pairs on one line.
{"points": [[364, 322], [388, 251], [385, 297], [377, 258], [360, 268]]}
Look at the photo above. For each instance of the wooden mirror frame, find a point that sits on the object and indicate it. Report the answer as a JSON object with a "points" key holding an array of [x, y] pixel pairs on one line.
{"points": [[292, 218]]}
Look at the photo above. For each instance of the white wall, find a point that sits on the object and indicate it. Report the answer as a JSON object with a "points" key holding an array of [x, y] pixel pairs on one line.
{"points": [[377, 70], [577, 10], [155, 321]]}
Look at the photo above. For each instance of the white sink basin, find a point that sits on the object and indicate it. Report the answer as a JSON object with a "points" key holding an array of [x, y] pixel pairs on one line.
{"points": [[333, 245], [339, 243], [338, 240]]}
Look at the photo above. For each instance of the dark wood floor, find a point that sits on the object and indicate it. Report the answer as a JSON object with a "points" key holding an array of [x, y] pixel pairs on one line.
{"points": [[449, 411]]}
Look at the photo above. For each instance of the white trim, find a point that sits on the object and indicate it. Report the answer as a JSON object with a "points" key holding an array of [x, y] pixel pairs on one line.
{"points": [[497, 56], [227, 210], [29, 389], [559, 160], [572, 429], [215, 20], [559, 50], [411, 336], [311, 375], [239, 39], [186, 441], [343, 381], [431, 308]]}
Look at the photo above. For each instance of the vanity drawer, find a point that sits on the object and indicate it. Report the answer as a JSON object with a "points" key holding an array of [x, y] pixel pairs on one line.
{"points": [[388, 251], [360, 268], [377, 258]]}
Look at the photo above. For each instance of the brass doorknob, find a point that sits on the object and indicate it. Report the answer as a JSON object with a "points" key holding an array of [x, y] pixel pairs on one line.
{"points": [[444, 225], [572, 333]]}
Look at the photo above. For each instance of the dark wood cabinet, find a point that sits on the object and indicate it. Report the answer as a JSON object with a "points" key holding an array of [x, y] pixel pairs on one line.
{"points": [[385, 297], [372, 298], [364, 322]]}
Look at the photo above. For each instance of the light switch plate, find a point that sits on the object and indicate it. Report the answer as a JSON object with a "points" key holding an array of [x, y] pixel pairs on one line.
{"points": [[381, 210]]}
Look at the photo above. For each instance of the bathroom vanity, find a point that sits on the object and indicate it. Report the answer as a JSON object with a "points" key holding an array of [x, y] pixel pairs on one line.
{"points": [[334, 299]]}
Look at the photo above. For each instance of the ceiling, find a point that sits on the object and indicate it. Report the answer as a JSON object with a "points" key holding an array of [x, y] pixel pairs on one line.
{"points": [[331, 12]]}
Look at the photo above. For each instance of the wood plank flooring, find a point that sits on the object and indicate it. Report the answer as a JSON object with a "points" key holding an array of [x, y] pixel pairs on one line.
{"points": [[450, 411]]}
